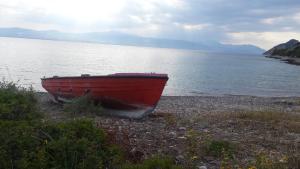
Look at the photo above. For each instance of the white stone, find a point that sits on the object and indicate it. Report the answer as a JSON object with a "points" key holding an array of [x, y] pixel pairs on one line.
{"points": [[202, 167]]}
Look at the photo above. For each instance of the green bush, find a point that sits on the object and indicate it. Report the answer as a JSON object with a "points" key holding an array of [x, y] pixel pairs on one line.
{"points": [[83, 104], [220, 148], [17, 144], [28, 143], [17, 103], [157, 162], [75, 144]]}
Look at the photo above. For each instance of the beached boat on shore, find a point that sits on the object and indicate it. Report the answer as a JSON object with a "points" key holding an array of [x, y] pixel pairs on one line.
{"points": [[120, 90]]}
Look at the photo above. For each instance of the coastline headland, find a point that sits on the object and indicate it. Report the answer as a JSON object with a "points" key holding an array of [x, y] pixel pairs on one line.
{"points": [[288, 52]]}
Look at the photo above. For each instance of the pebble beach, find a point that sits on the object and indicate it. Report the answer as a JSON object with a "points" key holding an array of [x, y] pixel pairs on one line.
{"points": [[251, 124]]}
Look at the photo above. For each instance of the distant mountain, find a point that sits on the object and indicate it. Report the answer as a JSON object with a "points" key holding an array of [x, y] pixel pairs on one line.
{"points": [[126, 39], [289, 49]]}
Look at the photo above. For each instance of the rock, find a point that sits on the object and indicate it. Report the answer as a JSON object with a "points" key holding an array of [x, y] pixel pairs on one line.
{"points": [[201, 167], [206, 130], [173, 134], [120, 128], [179, 159], [182, 128], [182, 138]]}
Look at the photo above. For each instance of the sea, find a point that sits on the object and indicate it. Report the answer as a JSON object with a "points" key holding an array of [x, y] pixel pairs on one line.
{"points": [[191, 72]]}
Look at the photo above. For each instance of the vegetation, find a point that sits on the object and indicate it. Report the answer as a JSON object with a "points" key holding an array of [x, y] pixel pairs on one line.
{"points": [[17, 103], [75, 144], [218, 148], [290, 48], [264, 162], [83, 105], [288, 120], [28, 142], [267, 116], [202, 145], [156, 162], [295, 52]]}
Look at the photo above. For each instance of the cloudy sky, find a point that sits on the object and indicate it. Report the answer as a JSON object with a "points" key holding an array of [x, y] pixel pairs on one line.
{"points": [[260, 22]]}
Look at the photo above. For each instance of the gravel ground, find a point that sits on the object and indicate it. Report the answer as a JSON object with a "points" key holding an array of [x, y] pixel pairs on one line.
{"points": [[168, 130], [189, 105]]}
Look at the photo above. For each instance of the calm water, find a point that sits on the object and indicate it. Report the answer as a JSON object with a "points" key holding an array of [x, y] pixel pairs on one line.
{"points": [[190, 72]]}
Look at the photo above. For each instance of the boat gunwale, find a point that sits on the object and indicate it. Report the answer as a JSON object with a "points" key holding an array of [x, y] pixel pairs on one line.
{"points": [[162, 76]]}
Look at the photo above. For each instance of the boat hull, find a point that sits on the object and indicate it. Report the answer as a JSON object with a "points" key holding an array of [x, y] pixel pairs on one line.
{"points": [[121, 91]]}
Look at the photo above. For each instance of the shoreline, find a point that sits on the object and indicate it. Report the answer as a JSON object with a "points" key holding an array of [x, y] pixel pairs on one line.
{"points": [[233, 95], [286, 59], [210, 103], [209, 95]]}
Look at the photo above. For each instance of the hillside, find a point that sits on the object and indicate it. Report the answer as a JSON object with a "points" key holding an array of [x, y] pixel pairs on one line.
{"points": [[288, 52], [289, 49], [119, 38]]}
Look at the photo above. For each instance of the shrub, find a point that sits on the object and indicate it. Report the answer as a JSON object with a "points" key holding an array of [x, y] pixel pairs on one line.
{"points": [[83, 104], [32, 144], [220, 148], [262, 161], [17, 103], [192, 144], [17, 144], [75, 144]]}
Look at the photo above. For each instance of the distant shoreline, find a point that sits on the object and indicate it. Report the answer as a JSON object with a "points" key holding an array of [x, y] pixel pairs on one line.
{"points": [[286, 59], [133, 45], [119, 38]]}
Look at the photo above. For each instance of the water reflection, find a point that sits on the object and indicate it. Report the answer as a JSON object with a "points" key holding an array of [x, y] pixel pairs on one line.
{"points": [[190, 72]]}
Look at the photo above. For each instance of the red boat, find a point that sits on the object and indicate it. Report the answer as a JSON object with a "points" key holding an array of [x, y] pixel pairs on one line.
{"points": [[120, 90]]}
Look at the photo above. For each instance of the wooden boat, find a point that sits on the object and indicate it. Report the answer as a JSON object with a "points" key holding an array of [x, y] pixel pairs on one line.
{"points": [[120, 90]]}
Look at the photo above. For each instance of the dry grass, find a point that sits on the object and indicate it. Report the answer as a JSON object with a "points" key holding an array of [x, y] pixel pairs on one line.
{"points": [[266, 116], [290, 121], [169, 118], [292, 126]]}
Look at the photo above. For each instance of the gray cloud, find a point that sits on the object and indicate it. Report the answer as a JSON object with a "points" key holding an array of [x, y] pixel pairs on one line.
{"points": [[196, 20]]}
